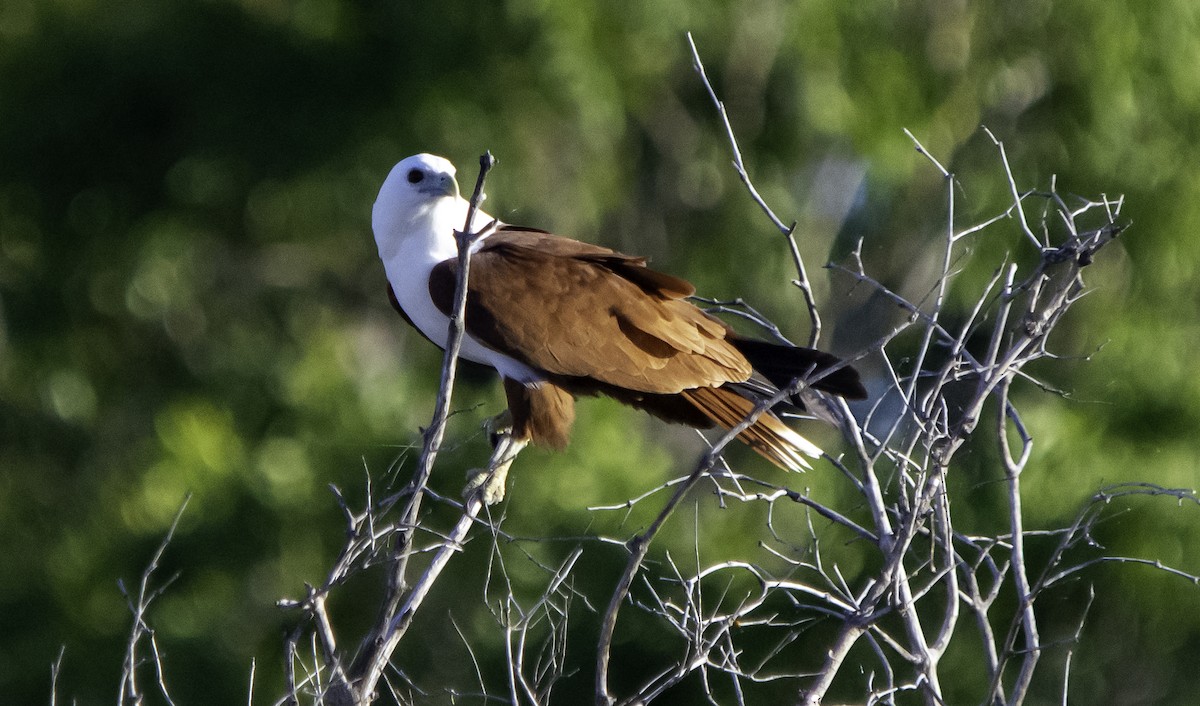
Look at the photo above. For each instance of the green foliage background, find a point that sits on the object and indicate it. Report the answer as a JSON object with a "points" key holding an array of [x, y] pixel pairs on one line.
{"points": [[190, 300]]}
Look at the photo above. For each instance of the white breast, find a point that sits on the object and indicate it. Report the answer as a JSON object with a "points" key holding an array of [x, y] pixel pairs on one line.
{"points": [[427, 241]]}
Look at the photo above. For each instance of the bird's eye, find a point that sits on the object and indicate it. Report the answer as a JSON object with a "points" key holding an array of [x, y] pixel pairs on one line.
{"points": [[415, 176]]}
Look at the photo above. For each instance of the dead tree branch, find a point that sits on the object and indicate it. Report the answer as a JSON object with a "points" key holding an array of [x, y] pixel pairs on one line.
{"points": [[131, 691], [863, 587]]}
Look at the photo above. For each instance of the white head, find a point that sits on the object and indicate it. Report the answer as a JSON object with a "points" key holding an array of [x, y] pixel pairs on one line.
{"points": [[419, 192]]}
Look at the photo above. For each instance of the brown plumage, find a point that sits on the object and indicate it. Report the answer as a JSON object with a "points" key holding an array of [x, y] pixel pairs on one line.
{"points": [[591, 321]]}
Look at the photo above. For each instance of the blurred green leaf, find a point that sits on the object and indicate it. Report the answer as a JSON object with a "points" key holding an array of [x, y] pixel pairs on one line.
{"points": [[190, 300]]}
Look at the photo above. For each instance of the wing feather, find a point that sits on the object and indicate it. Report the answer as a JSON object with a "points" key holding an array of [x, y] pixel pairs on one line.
{"points": [[579, 310]]}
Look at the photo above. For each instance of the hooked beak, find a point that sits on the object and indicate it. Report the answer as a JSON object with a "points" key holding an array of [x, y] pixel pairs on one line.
{"points": [[440, 185]]}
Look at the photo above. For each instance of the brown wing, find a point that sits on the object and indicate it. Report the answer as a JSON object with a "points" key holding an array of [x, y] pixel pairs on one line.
{"points": [[579, 310]]}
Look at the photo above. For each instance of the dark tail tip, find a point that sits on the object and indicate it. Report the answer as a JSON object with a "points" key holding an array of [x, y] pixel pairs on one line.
{"points": [[781, 364]]}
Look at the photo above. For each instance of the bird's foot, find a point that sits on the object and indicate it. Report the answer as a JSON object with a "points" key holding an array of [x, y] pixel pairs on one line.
{"points": [[488, 483]]}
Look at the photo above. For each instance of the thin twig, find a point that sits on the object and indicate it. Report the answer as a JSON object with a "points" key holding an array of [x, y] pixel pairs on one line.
{"points": [[640, 544], [55, 670], [788, 231], [130, 692]]}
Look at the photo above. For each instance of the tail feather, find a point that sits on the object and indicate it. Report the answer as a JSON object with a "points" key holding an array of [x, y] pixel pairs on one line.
{"points": [[768, 436], [781, 364]]}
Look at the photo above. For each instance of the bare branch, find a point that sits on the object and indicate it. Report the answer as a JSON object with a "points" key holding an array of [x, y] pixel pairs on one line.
{"points": [[55, 670], [788, 231], [875, 557], [640, 544], [138, 605], [401, 606]]}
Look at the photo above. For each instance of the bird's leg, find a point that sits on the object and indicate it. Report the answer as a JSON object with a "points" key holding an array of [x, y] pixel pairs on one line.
{"points": [[489, 482]]}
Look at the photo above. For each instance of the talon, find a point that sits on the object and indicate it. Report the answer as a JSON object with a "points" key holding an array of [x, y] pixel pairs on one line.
{"points": [[497, 426], [488, 483]]}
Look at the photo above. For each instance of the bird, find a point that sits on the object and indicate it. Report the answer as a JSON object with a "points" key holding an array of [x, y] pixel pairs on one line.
{"points": [[559, 318]]}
